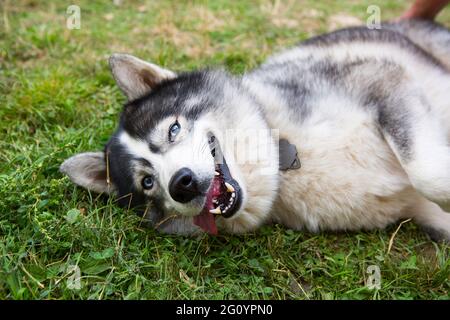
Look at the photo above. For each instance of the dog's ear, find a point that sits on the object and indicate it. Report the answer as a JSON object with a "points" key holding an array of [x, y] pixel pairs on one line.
{"points": [[136, 77], [88, 170]]}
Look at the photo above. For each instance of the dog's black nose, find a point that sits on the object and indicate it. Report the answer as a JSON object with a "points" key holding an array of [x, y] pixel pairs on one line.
{"points": [[183, 186]]}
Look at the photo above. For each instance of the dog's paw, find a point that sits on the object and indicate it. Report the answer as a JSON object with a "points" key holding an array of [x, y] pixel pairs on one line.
{"points": [[437, 235]]}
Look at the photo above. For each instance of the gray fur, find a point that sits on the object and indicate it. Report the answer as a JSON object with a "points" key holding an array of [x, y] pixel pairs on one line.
{"points": [[431, 37]]}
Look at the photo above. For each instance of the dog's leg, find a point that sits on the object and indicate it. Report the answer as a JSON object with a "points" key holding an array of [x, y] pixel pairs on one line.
{"points": [[418, 136], [434, 221]]}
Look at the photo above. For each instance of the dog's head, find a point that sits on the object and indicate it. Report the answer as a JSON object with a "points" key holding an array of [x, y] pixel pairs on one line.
{"points": [[192, 145]]}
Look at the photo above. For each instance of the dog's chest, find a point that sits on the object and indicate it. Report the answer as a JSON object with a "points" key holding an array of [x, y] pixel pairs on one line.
{"points": [[348, 179]]}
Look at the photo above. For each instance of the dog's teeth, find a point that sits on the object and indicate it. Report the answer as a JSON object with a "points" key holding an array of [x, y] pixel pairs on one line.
{"points": [[233, 195], [215, 211], [216, 173], [229, 187]]}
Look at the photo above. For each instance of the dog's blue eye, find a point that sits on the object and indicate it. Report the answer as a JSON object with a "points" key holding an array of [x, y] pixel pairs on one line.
{"points": [[174, 130], [147, 182]]}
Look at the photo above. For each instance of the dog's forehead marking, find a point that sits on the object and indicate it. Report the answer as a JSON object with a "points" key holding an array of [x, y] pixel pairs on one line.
{"points": [[193, 101], [138, 148]]}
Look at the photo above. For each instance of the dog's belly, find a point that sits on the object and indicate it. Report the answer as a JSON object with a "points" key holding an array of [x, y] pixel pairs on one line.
{"points": [[349, 178]]}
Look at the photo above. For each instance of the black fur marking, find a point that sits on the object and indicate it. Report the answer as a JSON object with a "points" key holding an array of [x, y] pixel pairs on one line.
{"points": [[305, 80], [299, 95], [378, 93], [395, 122], [393, 117], [154, 148], [144, 162], [363, 34], [293, 86], [121, 175], [334, 72]]}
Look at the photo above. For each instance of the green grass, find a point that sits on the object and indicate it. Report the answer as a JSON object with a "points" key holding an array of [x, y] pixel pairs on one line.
{"points": [[57, 98]]}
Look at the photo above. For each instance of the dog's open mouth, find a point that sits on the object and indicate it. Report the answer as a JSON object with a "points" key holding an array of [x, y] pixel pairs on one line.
{"points": [[224, 195]]}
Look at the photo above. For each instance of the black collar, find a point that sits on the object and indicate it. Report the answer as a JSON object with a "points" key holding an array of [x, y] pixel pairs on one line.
{"points": [[288, 156]]}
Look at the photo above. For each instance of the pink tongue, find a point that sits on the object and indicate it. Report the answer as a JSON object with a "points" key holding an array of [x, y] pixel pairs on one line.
{"points": [[206, 221]]}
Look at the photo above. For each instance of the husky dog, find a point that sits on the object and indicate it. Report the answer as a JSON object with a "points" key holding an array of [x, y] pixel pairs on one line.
{"points": [[368, 112]]}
